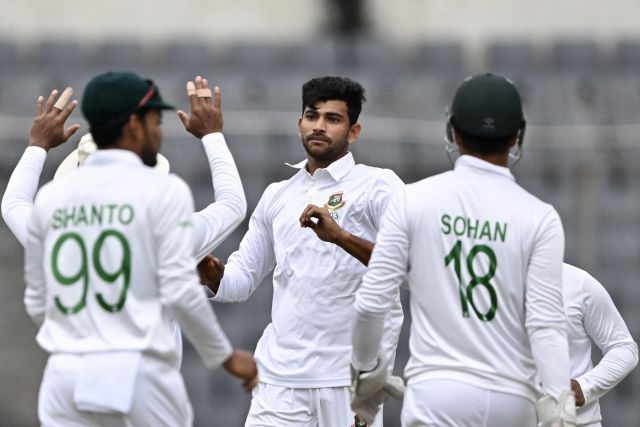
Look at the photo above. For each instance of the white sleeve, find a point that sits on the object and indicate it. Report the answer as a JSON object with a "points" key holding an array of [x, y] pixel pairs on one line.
{"points": [[35, 291], [607, 329], [248, 266], [179, 288], [217, 221], [380, 285], [545, 321], [17, 201], [383, 188]]}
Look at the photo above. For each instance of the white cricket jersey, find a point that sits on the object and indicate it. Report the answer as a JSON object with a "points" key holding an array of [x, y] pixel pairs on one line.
{"points": [[210, 226], [593, 316], [484, 261], [109, 261], [308, 342]]}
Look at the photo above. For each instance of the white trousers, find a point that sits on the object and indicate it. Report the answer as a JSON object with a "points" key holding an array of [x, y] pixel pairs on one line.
{"points": [[273, 406], [444, 403], [159, 400]]}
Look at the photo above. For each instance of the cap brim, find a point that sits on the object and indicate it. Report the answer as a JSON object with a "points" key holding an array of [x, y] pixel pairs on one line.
{"points": [[70, 163], [159, 104]]}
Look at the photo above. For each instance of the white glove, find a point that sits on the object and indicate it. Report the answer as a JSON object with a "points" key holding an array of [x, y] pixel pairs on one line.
{"points": [[557, 413], [370, 389]]}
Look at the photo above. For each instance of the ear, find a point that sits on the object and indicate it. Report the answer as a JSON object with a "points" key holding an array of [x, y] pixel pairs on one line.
{"points": [[299, 129], [135, 127], [354, 132]]}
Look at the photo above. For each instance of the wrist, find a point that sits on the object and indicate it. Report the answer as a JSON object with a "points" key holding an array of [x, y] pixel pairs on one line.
{"points": [[39, 144]]}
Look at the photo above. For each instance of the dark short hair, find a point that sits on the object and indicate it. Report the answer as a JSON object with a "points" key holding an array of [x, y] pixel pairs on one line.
{"points": [[110, 132], [331, 88], [485, 146]]}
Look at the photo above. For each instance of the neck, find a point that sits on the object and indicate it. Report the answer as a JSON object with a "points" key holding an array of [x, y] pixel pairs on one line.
{"points": [[314, 164]]}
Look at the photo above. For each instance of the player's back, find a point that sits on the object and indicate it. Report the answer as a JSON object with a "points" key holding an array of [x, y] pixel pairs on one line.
{"points": [[99, 226], [473, 233]]}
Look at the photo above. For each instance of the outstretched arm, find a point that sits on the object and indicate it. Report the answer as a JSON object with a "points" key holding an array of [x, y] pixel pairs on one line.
{"points": [[47, 132], [214, 223]]}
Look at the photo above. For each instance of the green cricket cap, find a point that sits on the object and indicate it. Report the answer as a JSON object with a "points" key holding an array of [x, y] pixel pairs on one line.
{"points": [[487, 106], [114, 96]]}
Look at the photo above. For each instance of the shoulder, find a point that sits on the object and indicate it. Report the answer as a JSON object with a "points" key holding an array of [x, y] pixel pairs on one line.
{"points": [[379, 174]]}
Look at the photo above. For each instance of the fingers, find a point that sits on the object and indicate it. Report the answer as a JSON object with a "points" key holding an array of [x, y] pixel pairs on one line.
{"points": [[62, 102], [51, 100], [70, 131], [191, 93], [217, 98], [68, 110], [250, 384], [39, 103], [183, 117]]}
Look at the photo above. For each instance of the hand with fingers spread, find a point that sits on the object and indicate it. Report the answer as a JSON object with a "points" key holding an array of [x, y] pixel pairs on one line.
{"points": [[48, 129], [325, 226], [211, 270], [206, 113]]}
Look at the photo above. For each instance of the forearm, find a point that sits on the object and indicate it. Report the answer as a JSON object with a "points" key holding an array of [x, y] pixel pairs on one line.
{"points": [[551, 354], [218, 220], [235, 286], [17, 201], [614, 366], [366, 339], [355, 246], [200, 325]]}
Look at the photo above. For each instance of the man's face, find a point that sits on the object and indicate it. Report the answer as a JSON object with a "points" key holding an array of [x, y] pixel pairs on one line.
{"points": [[152, 137], [325, 130]]}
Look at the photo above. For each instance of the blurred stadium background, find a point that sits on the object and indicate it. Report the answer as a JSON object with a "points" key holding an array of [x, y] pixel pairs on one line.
{"points": [[576, 63]]}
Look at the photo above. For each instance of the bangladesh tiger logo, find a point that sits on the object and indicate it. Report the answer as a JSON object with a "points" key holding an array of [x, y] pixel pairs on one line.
{"points": [[335, 202]]}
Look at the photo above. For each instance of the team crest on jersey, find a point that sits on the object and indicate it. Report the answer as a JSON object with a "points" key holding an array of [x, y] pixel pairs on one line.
{"points": [[335, 202]]}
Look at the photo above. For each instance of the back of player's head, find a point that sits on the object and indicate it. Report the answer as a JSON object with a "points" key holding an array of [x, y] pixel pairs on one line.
{"points": [[111, 98], [332, 88], [487, 113]]}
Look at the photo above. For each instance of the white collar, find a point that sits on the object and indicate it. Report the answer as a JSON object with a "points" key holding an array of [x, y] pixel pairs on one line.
{"points": [[471, 162], [338, 169]]}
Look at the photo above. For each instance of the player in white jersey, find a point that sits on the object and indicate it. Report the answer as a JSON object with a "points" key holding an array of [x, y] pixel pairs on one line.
{"points": [[210, 225], [303, 355], [484, 260], [592, 315], [109, 263]]}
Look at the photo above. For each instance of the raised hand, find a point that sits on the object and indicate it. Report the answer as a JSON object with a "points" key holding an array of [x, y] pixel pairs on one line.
{"points": [[206, 113], [47, 130]]}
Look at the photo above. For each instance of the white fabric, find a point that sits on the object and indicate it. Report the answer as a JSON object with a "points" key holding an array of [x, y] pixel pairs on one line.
{"points": [[445, 403], [308, 342], [160, 397], [217, 221], [592, 315], [476, 207], [152, 212], [105, 382], [17, 201], [302, 407], [210, 226]]}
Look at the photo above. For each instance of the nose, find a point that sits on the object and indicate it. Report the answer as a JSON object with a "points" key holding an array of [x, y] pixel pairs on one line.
{"points": [[320, 125]]}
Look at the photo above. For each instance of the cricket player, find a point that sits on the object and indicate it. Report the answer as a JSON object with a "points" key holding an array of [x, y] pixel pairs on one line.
{"points": [[484, 265], [210, 226], [315, 230], [591, 315], [109, 262]]}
